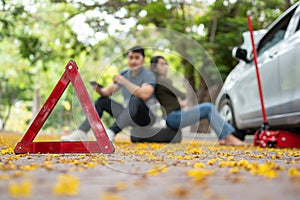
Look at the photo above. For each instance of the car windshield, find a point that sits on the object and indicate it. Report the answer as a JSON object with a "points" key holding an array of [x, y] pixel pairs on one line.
{"points": [[275, 34]]}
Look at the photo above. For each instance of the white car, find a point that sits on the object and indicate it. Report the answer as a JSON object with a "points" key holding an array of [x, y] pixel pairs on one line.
{"points": [[278, 50]]}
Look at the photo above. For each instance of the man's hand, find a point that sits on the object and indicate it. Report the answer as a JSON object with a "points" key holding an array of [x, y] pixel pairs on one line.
{"points": [[119, 79], [97, 88], [143, 92]]}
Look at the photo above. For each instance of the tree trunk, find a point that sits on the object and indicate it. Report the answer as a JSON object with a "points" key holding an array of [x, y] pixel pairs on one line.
{"points": [[213, 29], [4, 122], [36, 102], [1, 106], [287, 4]]}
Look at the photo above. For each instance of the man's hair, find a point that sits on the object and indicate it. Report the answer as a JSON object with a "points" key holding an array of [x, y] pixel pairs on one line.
{"points": [[137, 49]]}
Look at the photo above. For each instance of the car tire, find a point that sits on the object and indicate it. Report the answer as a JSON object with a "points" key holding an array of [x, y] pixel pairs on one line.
{"points": [[226, 111]]}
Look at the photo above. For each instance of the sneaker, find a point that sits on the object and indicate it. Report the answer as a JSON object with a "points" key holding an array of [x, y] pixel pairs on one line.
{"points": [[77, 135], [110, 134]]}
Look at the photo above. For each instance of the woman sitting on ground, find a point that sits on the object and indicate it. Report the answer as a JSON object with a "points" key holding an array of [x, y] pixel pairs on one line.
{"points": [[176, 118]]}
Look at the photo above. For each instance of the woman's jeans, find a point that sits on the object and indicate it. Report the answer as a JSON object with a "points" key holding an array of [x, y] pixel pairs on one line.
{"points": [[181, 118]]}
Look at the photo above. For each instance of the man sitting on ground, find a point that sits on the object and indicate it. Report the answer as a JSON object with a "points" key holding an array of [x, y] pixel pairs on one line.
{"points": [[137, 86]]}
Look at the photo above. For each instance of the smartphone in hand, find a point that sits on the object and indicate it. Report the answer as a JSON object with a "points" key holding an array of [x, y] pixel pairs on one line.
{"points": [[94, 83]]}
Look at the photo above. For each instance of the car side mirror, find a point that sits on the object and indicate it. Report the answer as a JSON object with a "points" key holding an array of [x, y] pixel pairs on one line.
{"points": [[240, 54]]}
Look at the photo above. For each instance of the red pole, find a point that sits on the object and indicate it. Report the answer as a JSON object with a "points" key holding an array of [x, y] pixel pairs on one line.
{"points": [[257, 72]]}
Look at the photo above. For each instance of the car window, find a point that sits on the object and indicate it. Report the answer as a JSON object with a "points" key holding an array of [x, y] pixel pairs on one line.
{"points": [[298, 26], [275, 34], [296, 20]]}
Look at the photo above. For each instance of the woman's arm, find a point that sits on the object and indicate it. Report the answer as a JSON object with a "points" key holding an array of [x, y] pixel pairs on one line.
{"points": [[178, 93], [168, 83]]}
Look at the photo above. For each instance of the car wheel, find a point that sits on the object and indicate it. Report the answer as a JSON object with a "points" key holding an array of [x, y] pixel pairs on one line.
{"points": [[226, 111]]}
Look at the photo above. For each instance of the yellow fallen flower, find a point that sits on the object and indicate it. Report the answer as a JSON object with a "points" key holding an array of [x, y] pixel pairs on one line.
{"points": [[230, 158], [223, 164], [121, 186], [293, 172], [29, 167], [199, 174], [243, 163], [9, 150], [5, 177], [234, 170], [90, 165], [22, 189], [156, 169], [110, 196], [267, 169], [213, 161], [199, 165], [66, 185]]}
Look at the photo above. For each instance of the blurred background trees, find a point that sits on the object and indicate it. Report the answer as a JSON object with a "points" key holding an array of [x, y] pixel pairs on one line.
{"points": [[38, 38]]}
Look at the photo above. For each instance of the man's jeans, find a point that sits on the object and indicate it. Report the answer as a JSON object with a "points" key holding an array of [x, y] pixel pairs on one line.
{"points": [[179, 119], [136, 113]]}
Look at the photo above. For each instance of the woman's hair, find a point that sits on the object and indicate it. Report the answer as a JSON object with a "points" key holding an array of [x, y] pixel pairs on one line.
{"points": [[153, 63]]}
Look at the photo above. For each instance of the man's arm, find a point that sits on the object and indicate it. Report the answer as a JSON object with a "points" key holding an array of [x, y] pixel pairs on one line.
{"points": [[143, 92]]}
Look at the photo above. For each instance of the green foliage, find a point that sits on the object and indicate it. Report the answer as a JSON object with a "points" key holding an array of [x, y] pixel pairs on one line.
{"points": [[34, 50], [29, 48], [38, 38], [157, 13], [231, 21]]}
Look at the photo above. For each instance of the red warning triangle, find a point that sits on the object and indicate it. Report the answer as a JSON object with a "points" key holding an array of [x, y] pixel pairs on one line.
{"points": [[102, 143]]}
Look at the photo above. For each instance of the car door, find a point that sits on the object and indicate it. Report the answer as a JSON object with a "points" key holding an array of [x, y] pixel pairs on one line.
{"points": [[289, 71], [268, 61]]}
